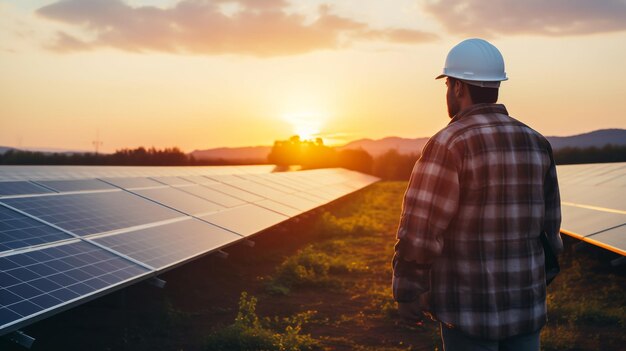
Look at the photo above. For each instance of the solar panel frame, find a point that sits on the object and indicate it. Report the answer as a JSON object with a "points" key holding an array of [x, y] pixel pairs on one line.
{"points": [[237, 219], [179, 200], [194, 238]]}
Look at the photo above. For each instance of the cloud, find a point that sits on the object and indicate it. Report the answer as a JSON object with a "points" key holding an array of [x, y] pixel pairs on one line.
{"points": [[543, 17], [257, 27]]}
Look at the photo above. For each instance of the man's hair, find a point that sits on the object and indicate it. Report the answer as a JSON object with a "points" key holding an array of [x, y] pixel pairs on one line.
{"points": [[479, 94]]}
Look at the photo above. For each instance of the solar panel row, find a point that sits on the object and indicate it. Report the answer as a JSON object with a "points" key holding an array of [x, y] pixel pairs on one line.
{"points": [[20, 173], [593, 205], [80, 238]]}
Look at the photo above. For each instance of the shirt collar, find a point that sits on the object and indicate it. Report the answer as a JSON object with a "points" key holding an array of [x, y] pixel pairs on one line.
{"points": [[480, 109]]}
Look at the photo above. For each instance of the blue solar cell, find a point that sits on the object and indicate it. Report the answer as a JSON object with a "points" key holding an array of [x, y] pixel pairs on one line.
{"points": [[18, 231], [76, 185], [90, 213], [27, 293], [21, 188], [169, 244]]}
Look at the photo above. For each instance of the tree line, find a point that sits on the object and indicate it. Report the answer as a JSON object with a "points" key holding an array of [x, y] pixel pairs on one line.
{"points": [[309, 154], [140, 156]]}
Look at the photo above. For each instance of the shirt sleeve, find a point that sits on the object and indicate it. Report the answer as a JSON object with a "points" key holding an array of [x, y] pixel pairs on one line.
{"points": [[430, 203], [552, 215]]}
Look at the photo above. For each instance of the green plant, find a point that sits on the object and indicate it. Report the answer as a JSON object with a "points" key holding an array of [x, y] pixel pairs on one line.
{"points": [[249, 332]]}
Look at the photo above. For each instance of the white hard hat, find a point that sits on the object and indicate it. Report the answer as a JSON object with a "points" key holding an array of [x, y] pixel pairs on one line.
{"points": [[476, 62]]}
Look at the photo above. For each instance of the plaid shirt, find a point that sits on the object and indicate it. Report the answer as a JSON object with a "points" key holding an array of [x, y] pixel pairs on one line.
{"points": [[483, 190]]}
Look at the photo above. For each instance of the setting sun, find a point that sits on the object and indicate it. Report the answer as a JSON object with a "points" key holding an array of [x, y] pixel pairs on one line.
{"points": [[307, 125]]}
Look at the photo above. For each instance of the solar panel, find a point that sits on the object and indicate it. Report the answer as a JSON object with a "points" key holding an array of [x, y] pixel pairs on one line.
{"points": [[180, 200], [21, 188], [593, 206], [169, 244], [8, 173], [608, 174], [90, 213], [245, 220], [32, 283], [73, 237], [19, 231], [287, 186], [76, 185], [586, 221], [608, 197]]}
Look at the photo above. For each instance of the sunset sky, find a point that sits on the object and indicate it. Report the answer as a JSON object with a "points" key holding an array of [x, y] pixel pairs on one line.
{"points": [[202, 74]]}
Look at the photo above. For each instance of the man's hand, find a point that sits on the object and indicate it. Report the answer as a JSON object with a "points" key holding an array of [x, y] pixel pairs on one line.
{"points": [[413, 311]]}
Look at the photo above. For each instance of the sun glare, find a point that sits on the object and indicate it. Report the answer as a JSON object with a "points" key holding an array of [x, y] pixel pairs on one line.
{"points": [[307, 125]]}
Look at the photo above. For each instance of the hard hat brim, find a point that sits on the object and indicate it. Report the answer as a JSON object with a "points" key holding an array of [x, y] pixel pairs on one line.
{"points": [[482, 84]]}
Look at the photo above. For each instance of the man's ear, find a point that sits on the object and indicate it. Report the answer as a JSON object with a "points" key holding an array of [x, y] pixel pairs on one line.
{"points": [[459, 88]]}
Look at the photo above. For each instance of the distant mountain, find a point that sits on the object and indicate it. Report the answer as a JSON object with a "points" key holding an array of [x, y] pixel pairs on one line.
{"points": [[233, 153], [380, 146], [597, 138]]}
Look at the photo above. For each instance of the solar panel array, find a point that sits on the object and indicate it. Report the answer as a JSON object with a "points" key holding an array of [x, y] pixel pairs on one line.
{"points": [[69, 234], [593, 204]]}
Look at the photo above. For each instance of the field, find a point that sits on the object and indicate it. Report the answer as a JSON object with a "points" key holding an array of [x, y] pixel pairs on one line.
{"points": [[318, 282]]}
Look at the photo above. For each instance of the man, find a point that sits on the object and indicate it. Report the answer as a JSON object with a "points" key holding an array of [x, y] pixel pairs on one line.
{"points": [[469, 251]]}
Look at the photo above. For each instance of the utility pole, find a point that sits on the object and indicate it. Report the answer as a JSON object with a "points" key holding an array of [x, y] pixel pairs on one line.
{"points": [[97, 143]]}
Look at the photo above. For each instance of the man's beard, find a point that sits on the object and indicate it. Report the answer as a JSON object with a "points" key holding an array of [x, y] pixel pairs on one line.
{"points": [[453, 103]]}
